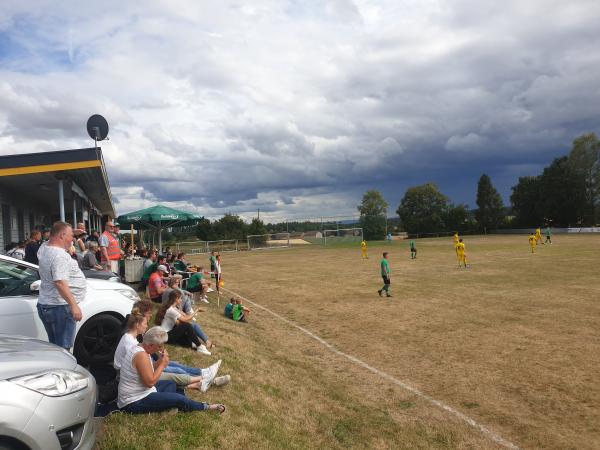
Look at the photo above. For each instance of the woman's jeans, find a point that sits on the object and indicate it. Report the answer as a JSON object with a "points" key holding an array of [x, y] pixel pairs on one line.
{"points": [[167, 397]]}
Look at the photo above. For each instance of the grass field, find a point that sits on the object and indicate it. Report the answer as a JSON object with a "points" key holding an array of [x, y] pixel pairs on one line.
{"points": [[512, 343]]}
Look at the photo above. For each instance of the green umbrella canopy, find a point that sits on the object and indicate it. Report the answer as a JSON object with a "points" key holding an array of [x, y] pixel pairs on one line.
{"points": [[158, 216]]}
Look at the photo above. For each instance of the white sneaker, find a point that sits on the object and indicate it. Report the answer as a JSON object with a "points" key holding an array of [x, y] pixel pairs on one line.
{"points": [[212, 373], [222, 381], [202, 349], [204, 299]]}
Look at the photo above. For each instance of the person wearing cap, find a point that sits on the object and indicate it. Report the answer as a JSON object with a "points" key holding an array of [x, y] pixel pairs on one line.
{"points": [[140, 388], [110, 252], [156, 284]]}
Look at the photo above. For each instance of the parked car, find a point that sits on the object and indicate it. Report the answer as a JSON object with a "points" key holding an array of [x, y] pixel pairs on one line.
{"points": [[101, 275], [47, 400], [104, 308]]}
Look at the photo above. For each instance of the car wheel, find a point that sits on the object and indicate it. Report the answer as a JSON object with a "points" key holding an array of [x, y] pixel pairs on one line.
{"points": [[11, 444], [97, 340]]}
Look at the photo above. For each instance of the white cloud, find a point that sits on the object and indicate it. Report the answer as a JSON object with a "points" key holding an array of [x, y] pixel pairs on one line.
{"points": [[299, 106]]}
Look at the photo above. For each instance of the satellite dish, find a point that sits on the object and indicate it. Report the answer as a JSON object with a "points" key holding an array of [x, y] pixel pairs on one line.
{"points": [[97, 127]]}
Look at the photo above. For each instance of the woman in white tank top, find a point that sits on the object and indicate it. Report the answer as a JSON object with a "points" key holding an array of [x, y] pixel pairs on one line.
{"points": [[140, 390]]}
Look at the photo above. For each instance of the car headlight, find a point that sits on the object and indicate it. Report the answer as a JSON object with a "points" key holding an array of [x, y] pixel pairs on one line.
{"points": [[129, 293], [115, 279], [54, 383]]}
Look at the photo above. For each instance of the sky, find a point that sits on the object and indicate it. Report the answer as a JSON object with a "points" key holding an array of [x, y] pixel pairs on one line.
{"points": [[298, 107]]}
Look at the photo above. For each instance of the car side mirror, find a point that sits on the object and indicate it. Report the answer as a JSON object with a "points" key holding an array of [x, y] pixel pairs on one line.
{"points": [[35, 286]]}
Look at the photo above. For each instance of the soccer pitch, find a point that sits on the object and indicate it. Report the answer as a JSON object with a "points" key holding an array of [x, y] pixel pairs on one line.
{"points": [[506, 352]]}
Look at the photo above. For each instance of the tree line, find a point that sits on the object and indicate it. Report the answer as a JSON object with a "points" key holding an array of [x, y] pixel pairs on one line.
{"points": [[566, 193]]}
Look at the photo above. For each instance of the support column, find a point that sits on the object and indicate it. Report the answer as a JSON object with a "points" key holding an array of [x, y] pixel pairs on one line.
{"points": [[74, 210], [61, 199]]}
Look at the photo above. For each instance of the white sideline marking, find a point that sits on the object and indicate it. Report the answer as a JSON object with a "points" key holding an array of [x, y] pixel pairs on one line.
{"points": [[490, 434]]}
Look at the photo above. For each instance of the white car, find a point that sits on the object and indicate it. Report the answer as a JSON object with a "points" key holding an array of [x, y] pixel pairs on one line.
{"points": [[104, 308]]}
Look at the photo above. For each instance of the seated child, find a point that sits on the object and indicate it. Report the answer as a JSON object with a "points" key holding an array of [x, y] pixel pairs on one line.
{"points": [[229, 309], [236, 311]]}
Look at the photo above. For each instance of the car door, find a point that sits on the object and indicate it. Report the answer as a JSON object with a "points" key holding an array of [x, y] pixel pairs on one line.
{"points": [[18, 310]]}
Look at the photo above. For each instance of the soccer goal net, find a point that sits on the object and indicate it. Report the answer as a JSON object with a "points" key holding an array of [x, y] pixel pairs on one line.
{"points": [[265, 241], [331, 237]]}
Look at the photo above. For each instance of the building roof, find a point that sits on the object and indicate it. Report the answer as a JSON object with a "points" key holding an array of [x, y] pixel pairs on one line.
{"points": [[35, 175]]}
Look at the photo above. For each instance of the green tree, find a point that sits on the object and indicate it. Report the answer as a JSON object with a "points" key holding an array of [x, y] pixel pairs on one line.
{"points": [[230, 226], [585, 171], [422, 209], [558, 189], [457, 218], [490, 211], [204, 230], [525, 200], [257, 227], [373, 215]]}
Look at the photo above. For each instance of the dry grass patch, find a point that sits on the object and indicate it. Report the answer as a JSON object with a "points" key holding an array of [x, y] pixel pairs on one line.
{"points": [[512, 342]]}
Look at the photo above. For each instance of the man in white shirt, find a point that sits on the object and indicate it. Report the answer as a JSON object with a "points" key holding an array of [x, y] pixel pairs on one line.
{"points": [[62, 287]]}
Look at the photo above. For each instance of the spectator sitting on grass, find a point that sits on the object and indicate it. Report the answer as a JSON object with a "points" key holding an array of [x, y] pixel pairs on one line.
{"points": [[89, 261], [236, 311], [186, 297], [197, 283], [140, 388], [180, 264], [150, 266], [137, 324], [178, 325], [146, 308], [156, 284]]}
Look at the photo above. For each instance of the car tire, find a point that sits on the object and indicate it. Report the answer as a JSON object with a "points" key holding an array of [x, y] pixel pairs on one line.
{"points": [[11, 444], [97, 340]]}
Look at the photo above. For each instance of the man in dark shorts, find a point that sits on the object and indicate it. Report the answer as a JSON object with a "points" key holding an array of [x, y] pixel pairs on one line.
{"points": [[385, 274]]}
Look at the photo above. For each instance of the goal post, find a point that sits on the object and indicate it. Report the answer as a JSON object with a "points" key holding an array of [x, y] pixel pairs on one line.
{"points": [[341, 235], [266, 241]]}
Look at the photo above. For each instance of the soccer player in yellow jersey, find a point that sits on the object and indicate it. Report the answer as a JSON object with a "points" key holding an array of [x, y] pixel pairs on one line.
{"points": [[363, 250], [538, 236], [460, 253], [455, 237], [532, 242]]}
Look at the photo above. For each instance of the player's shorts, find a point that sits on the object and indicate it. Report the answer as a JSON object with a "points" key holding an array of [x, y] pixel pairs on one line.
{"points": [[386, 280], [413, 250]]}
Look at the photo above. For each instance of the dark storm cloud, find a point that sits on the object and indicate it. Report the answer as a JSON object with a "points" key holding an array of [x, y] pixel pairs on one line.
{"points": [[295, 107]]}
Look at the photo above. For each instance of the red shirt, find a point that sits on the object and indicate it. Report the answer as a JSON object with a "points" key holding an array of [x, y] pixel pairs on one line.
{"points": [[154, 282]]}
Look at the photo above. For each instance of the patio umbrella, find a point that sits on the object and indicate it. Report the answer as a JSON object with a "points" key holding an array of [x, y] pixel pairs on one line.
{"points": [[158, 217]]}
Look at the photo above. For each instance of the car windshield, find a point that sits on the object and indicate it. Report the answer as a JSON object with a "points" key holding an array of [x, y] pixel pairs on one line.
{"points": [[15, 279]]}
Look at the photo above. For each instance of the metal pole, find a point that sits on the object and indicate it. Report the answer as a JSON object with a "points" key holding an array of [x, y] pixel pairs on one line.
{"points": [[61, 200], [160, 237], [74, 211]]}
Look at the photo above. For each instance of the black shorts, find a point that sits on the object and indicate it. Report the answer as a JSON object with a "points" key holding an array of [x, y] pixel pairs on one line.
{"points": [[386, 280]]}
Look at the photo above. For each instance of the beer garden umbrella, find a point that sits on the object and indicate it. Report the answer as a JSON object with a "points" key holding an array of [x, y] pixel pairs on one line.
{"points": [[158, 217]]}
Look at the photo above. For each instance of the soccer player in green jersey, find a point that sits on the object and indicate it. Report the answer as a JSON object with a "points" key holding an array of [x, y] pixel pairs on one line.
{"points": [[385, 274], [548, 235], [413, 249]]}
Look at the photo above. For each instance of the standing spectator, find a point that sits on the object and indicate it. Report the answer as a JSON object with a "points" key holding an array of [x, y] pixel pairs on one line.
{"points": [[156, 284], [218, 276], [32, 247], [89, 261], [62, 287], [212, 260], [45, 235], [109, 249], [18, 252], [94, 236]]}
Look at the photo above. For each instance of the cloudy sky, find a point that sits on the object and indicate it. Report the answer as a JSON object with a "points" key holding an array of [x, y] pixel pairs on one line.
{"points": [[297, 107]]}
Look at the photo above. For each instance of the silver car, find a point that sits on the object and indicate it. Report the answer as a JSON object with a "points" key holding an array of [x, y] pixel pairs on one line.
{"points": [[47, 401]]}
